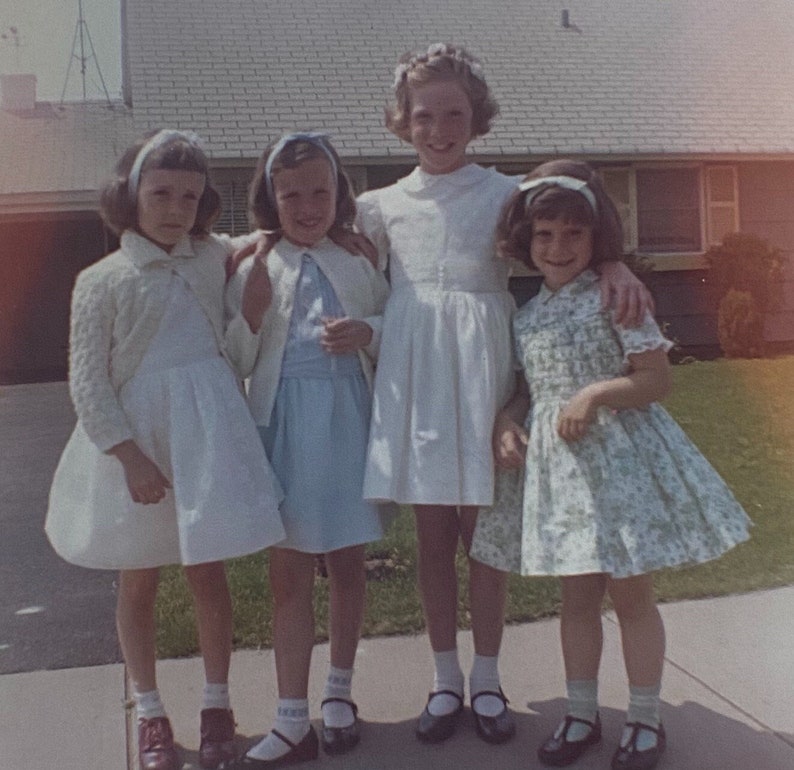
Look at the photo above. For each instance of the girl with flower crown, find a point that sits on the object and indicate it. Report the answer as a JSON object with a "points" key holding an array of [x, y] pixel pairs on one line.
{"points": [[165, 465], [446, 363]]}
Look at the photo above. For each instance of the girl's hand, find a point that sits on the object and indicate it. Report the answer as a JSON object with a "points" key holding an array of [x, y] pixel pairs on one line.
{"points": [[257, 293], [509, 442], [144, 480], [576, 416], [259, 248], [356, 243], [345, 335], [626, 294]]}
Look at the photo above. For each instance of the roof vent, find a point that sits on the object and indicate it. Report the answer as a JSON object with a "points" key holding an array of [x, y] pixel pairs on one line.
{"points": [[18, 92], [566, 19]]}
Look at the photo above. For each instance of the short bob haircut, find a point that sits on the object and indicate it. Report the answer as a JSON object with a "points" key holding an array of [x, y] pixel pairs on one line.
{"points": [[514, 230], [120, 212], [440, 63], [263, 212]]}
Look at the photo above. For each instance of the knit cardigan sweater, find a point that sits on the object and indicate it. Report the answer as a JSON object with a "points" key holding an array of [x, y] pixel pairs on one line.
{"points": [[361, 289], [117, 306]]}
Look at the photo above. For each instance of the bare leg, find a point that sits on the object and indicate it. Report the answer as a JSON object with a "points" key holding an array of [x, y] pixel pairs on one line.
{"points": [[213, 605], [346, 610], [438, 532], [292, 583], [135, 625], [641, 628], [487, 594], [580, 625]]}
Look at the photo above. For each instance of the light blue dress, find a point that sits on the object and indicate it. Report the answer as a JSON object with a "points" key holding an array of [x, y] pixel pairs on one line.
{"points": [[317, 436]]}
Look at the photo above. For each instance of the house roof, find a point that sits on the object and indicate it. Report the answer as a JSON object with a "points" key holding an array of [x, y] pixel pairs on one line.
{"points": [[55, 156], [626, 78]]}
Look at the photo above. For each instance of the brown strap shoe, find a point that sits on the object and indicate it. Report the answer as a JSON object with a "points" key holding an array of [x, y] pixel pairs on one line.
{"points": [[156, 750]]}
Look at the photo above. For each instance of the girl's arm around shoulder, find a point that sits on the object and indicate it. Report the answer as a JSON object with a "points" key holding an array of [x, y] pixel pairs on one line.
{"points": [[649, 379], [369, 222], [248, 296]]}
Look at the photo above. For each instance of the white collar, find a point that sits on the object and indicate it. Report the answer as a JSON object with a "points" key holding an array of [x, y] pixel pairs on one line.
{"points": [[581, 283], [142, 252], [465, 176]]}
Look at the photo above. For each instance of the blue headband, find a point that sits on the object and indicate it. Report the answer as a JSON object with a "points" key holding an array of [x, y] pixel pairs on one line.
{"points": [[536, 186], [315, 138], [158, 140]]}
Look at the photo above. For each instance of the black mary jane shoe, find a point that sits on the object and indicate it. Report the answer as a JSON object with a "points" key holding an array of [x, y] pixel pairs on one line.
{"points": [[558, 751], [307, 749], [434, 729], [339, 740], [498, 729], [629, 757]]}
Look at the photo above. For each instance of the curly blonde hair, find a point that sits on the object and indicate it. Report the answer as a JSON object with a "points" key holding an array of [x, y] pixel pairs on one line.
{"points": [[440, 62]]}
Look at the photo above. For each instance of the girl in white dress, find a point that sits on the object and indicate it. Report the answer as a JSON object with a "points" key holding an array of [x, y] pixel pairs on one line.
{"points": [[310, 372], [611, 488], [445, 364], [165, 465]]}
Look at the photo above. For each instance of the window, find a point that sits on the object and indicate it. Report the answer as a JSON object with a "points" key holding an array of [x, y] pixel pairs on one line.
{"points": [[234, 213], [668, 209], [675, 209]]}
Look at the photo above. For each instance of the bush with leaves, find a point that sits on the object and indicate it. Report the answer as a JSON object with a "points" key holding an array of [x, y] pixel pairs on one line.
{"points": [[748, 275], [740, 327]]}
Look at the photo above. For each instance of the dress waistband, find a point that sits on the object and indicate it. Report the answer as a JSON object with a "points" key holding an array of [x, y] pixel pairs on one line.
{"points": [[472, 277]]}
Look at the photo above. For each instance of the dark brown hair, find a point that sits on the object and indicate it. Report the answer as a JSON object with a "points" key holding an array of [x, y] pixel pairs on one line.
{"points": [[264, 212], [119, 209], [440, 62], [514, 230]]}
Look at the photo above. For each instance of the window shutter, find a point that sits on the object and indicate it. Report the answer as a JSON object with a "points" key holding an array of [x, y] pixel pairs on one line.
{"points": [[722, 202], [234, 216]]}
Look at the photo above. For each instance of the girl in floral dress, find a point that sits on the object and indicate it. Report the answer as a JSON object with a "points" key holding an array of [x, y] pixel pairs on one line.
{"points": [[611, 488]]}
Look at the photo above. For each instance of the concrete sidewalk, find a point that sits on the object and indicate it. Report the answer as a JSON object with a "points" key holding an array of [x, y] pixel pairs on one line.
{"points": [[728, 698]]}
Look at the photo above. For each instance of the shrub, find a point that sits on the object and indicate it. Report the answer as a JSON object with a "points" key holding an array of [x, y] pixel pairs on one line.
{"points": [[748, 275], [747, 263], [740, 327]]}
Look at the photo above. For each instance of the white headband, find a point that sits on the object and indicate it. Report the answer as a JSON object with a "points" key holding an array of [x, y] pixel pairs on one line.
{"points": [[158, 140], [568, 182], [315, 138]]}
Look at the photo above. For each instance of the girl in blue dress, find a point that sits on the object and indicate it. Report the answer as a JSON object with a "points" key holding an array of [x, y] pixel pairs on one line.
{"points": [[310, 368], [610, 488]]}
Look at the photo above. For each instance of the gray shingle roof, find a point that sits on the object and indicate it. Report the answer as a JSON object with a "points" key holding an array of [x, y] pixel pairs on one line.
{"points": [[648, 77]]}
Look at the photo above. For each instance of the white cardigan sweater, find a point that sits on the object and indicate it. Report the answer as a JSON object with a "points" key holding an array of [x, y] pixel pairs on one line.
{"points": [[361, 289], [117, 306]]}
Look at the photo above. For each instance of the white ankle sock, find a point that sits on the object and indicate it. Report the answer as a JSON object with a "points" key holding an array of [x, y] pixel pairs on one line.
{"points": [[338, 685], [148, 705], [484, 677], [216, 696], [582, 704], [292, 721], [448, 676], [644, 705]]}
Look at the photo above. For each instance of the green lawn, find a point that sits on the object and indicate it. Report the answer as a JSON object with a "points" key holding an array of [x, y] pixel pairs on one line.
{"points": [[741, 415]]}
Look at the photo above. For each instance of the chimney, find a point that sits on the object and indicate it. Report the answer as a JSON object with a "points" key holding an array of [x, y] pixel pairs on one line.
{"points": [[566, 19], [18, 92]]}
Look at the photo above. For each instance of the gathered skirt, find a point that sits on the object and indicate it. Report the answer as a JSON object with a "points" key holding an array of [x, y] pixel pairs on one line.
{"points": [[193, 422], [316, 441]]}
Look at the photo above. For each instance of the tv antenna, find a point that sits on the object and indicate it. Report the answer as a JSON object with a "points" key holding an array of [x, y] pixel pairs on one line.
{"points": [[81, 35], [12, 34]]}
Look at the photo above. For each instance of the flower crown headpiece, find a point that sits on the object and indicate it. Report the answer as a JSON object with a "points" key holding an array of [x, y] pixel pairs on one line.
{"points": [[435, 51], [158, 140]]}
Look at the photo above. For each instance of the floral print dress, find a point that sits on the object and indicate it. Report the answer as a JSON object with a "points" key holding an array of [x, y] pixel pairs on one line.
{"points": [[632, 496]]}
